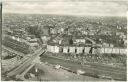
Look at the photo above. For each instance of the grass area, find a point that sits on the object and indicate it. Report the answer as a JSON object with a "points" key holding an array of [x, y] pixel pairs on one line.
{"points": [[107, 59], [49, 73], [97, 69]]}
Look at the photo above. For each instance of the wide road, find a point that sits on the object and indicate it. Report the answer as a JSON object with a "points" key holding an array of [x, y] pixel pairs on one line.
{"points": [[26, 63], [115, 73]]}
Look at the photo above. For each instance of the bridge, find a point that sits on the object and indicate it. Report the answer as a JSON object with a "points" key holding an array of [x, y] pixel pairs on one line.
{"points": [[18, 70]]}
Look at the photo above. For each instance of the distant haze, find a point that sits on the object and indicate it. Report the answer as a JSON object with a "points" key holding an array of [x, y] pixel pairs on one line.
{"points": [[67, 7]]}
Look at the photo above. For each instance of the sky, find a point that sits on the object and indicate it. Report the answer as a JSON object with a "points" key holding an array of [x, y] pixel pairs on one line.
{"points": [[67, 7]]}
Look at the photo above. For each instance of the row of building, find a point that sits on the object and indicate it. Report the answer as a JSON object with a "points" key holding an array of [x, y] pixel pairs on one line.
{"points": [[81, 49]]}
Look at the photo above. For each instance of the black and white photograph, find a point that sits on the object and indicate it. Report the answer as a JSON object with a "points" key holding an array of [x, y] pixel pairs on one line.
{"points": [[64, 40]]}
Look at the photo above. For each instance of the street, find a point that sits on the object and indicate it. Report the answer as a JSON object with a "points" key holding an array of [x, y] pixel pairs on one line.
{"points": [[25, 64]]}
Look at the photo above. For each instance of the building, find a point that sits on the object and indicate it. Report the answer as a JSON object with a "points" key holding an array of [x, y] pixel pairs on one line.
{"points": [[66, 46], [87, 49], [79, 50], [72, 49], [65, 49], [45, 39]]}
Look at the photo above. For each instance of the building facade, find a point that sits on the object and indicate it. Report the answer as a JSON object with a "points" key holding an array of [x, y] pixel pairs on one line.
{"points": [[84, 49]]}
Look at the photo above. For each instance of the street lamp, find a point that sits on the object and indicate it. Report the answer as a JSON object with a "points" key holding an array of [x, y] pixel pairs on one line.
{"points": [[37, 74]]}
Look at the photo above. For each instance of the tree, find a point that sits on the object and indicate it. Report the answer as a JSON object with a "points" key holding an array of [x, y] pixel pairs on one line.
{"points": [[71, 42], [35, 30]]}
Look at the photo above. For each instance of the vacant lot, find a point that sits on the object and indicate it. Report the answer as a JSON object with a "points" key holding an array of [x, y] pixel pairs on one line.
{"points": [[94, 68], [51, 74]]}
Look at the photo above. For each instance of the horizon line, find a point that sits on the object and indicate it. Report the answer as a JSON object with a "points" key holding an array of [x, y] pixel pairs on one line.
{"points": [[67, 14]]}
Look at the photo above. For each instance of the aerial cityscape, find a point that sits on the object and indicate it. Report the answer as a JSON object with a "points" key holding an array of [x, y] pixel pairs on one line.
{"points": [[63, 47]]}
